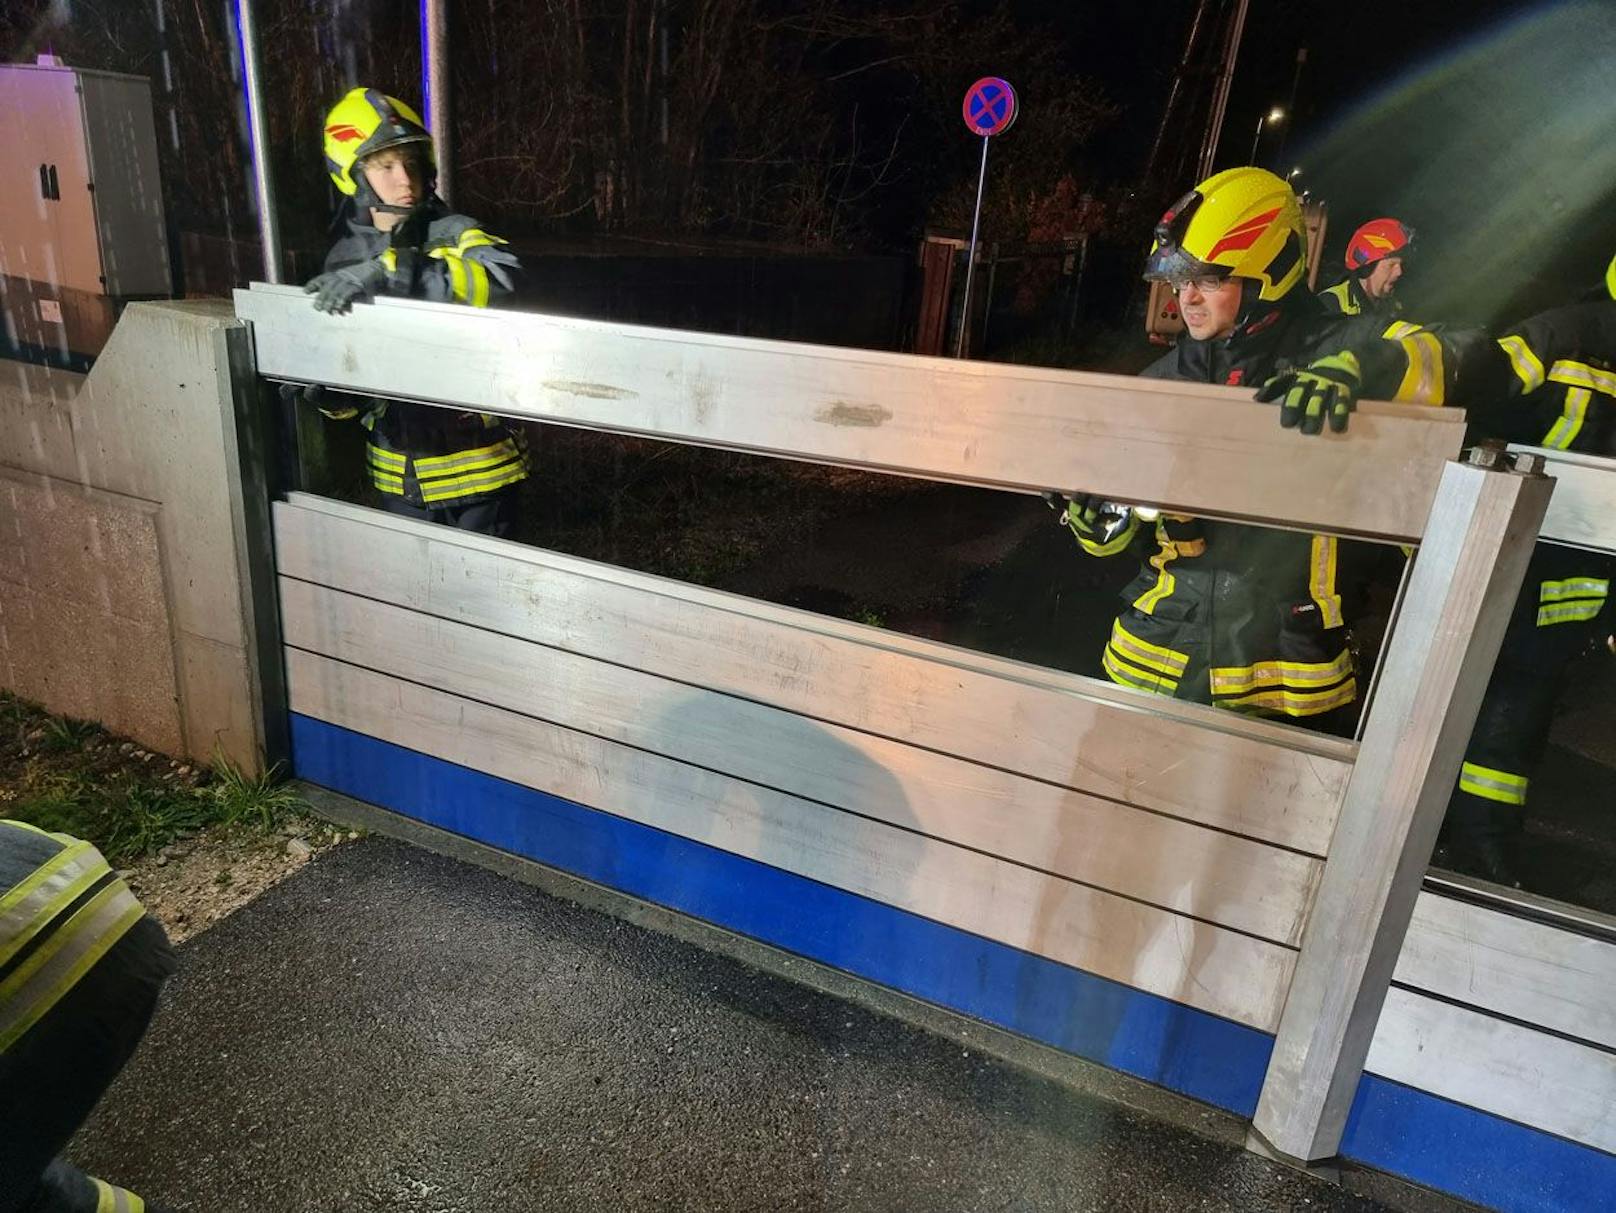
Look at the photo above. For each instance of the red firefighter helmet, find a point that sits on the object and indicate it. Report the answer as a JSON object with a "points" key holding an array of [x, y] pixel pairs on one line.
{"points": [[1377, 240]]}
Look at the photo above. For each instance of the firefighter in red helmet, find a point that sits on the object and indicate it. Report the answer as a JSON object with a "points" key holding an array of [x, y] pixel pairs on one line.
{"points": [[1375, 259]]}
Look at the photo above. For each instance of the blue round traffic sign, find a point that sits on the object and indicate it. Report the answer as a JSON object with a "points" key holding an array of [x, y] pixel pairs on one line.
{"points": [[990, 106]]}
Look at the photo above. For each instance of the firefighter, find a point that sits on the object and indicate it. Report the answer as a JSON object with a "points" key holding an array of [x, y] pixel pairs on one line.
{"points": [[1375, 259], [436, 464], [1277, 643], [1559, 392], [81, 964]]}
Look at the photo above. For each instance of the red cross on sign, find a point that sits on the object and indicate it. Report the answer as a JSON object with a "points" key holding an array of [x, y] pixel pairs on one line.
{"points": [[990, 106]]}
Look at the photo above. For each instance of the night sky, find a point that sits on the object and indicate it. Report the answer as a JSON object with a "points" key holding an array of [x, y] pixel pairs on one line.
{"points": [[1491, 126]]}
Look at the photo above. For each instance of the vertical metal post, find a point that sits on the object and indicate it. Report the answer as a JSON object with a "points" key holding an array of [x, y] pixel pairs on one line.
{"points": [[435, 84], [1220, 94], [269, 228], [970, 255], [1468, 571]]}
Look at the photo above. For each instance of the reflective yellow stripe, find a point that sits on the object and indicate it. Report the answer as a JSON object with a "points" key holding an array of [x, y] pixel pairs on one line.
{"points": [[1120, 672], [1423, 381], [1342, 291], [1580, 374], [457, 277], [478, 275], [1573, 587], [1321, 580], [1113, 546], [1165, 584], [383, 457], [1296, 703], [1232, 680], [1568, 424], [53, 968], [56, 884], [1528, 366], [1142, 652], [1490, 784], [439, 465], [109, 1199], [472, 237], [393, 485], [1569, 612], [466, 486], [1399, 329], [389, 259]]}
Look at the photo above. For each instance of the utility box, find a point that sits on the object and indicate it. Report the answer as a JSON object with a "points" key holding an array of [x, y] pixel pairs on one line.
{"points": [[82, 229]]}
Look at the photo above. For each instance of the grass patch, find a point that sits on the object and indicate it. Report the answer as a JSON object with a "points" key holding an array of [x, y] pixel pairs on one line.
{"points": [[72, 777]]}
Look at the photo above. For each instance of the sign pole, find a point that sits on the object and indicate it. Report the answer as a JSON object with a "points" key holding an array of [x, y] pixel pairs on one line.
{"points": [[970, 256], [989, 109]]}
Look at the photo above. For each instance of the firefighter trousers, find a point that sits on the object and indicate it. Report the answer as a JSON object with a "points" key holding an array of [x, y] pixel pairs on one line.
{"points": [[53, 1076]]}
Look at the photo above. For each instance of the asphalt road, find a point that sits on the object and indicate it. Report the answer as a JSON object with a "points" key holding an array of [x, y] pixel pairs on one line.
{"points": [[393, 1030]]}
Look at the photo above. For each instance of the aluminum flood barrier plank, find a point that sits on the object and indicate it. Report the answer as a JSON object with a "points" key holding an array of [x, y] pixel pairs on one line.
{"points": [[1207, 874], [1248, 777], [1192, 447]]}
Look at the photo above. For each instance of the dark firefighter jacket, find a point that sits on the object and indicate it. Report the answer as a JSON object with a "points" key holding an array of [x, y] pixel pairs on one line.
{"points": [[1246, 617], [1346, 298], [430, 456]]}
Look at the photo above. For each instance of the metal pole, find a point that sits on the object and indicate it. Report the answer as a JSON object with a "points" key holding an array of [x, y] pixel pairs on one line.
{"points": [[1220, 97], [1257, 138], [1471, 561], [435, 84], [970, 256], [269, 229]]}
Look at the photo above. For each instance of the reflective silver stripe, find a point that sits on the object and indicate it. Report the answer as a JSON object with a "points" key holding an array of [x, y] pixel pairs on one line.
{"points": [[1528, 366], [1573, 587], [1570, 612], [52, 887], [1568, 424], [443, 465], [1492, 784], [53, 968], [1580, 374]]}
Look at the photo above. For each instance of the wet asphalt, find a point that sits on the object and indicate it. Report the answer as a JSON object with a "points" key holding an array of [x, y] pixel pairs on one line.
{"points": [[389, 1029]]}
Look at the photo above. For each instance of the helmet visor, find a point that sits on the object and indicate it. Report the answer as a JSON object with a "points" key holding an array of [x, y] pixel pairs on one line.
{"points": [[1170, 263]]}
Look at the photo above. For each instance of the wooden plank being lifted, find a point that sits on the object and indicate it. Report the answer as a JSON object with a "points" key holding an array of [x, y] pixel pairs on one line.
{"points": [[1237, 976], [1235, 882], [1191, 447], [1249, 777]]}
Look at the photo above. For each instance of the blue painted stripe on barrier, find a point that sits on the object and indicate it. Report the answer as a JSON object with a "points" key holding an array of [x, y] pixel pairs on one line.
{"points": [[1177, 1046], [1474, 1154]]}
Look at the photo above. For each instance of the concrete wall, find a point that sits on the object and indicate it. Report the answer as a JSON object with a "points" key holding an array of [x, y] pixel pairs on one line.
{"points": [[121, 597]]}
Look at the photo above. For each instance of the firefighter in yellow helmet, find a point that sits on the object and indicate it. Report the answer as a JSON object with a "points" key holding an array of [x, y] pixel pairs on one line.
{"points": [[81, 966], [399, 238], [1248, 618]]}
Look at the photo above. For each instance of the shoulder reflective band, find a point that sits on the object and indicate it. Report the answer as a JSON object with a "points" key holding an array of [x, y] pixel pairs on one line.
{"points": [[48, 890], [1491, 784], [1399, 329], [53, 968], [1528, 366]]}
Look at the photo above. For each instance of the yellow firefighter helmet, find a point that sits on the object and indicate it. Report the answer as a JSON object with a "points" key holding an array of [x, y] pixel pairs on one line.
{"points": [[366, 122], [1241, 223]]}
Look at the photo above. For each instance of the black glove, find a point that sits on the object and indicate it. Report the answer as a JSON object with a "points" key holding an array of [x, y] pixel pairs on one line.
{"points": [[1327, 387], [1057, 502], [335, 292]]}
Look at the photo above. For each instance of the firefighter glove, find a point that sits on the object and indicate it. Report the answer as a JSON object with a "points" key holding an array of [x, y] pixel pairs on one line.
{"points": [[1057, 502], [1308, 395], [304, 393], [1102, 527], [335, 292]]}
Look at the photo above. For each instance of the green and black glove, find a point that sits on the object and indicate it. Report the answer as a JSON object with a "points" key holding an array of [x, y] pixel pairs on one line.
{"points": [[1326, 388]]}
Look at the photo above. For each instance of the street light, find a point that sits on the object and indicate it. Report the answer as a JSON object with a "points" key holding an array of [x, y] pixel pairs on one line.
{"points": [[1294, 173], [1272, 118]]}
